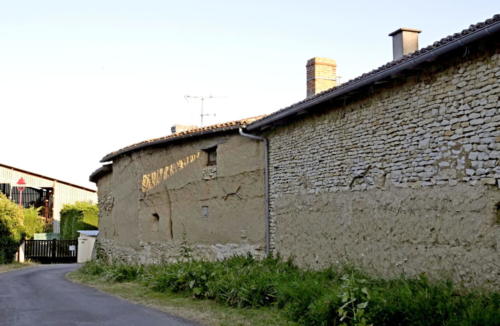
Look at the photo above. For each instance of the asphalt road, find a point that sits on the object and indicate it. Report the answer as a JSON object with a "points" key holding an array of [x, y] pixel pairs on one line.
{"points": [[42, 296]]}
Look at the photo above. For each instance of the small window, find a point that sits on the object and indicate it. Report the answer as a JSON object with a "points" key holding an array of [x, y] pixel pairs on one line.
{"points": [[498, 212], [212, 155], [204, 211]]}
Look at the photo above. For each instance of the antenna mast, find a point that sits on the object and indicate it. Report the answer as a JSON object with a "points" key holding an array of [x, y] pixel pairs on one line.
{"points": [[202, 100]]}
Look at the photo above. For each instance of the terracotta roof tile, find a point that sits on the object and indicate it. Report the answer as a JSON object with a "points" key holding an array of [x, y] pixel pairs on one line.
{"points": [[220, 127]]}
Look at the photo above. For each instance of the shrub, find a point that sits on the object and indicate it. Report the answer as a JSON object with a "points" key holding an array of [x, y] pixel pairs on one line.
{"points": [[11, 229], [33, 223], [189, 277], [78, 216]]}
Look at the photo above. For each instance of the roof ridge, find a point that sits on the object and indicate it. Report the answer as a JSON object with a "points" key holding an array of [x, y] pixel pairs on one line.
{"points": [[227, 125], [406, 58]]}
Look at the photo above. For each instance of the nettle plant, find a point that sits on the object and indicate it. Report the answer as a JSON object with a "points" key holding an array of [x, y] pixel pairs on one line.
{"points": [[185, 250], [354, 297]]}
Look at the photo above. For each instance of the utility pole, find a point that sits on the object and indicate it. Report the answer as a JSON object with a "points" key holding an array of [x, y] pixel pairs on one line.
{"points": [[202, 100]]}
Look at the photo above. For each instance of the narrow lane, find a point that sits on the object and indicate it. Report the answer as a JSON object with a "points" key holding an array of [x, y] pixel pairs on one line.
{"points": [[41, 295]]}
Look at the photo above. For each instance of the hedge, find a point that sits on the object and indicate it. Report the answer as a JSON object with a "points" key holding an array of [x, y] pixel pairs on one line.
{"points": [[78, 216]]}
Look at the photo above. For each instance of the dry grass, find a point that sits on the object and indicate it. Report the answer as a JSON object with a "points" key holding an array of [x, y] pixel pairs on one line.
{"points": [[14, 266], [205, 312]]}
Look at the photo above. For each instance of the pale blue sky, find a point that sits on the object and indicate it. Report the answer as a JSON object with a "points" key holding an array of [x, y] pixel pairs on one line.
{"points": [[89, 77]]}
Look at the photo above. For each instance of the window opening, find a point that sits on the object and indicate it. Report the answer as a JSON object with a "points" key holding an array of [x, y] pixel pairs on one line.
{"points": [[204, 211], [212, 156]]}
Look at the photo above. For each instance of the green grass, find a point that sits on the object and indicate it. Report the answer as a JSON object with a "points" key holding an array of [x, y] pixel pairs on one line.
{"points": [[206, 312], [328, 297]]}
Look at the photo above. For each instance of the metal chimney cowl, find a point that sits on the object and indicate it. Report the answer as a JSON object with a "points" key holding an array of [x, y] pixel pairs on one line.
{"points": [[404, 41]]}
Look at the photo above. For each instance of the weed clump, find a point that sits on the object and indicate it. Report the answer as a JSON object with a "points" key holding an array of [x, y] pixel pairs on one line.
{"points": [[330, 297]]}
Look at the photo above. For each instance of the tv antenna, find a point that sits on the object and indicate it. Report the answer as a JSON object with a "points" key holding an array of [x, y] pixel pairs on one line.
{"points": [[202, 101]]}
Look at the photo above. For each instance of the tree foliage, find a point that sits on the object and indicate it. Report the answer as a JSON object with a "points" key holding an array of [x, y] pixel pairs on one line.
{"points": [[78, 216], [16, 224]]}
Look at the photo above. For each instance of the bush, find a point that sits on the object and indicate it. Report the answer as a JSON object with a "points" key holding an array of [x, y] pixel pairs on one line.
{"points": [[329, 297], [33, 223], [78, 216], [11, 229], [190, 277]]}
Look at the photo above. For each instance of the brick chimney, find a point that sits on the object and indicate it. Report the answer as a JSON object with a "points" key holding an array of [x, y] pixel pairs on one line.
{"points": [[321, 75], [404, 41]]}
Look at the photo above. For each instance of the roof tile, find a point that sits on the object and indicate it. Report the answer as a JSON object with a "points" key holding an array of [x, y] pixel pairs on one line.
{"points": [[224, 126]]}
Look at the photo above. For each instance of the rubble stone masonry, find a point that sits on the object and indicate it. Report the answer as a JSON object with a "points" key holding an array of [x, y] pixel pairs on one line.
{"points": [[403, 180]]}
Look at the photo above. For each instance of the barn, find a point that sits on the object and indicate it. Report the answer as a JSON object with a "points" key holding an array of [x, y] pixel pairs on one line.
{"points": [[33, 189]]}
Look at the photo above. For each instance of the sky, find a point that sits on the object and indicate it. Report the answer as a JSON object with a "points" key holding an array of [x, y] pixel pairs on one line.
{"points": [[81, 79]]}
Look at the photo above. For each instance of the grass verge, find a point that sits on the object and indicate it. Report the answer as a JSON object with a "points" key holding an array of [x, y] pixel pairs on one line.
{"points": [[14, 266], [248, 288], [205, 312]]}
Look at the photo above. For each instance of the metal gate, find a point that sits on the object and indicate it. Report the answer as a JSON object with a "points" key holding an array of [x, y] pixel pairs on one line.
{"points": [[51, 251]]}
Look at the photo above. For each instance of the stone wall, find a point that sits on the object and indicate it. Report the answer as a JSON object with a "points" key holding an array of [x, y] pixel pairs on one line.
{"points": [[157, 252], [159, 202], [402, 180]]}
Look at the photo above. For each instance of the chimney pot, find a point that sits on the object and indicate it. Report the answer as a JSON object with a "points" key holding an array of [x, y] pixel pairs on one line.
{"points": [[321, 75], [180, 128], [404, 41]]}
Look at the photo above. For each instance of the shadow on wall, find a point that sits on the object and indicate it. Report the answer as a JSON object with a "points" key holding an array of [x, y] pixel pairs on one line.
{"points": [[153, 179]]}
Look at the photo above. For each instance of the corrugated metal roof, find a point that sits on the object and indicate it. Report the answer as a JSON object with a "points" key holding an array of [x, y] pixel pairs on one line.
{"points": [[90, 233], [45, 177]]}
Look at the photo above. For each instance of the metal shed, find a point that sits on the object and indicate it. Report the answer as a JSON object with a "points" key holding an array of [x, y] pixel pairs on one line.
{"points": [[41, 191]]}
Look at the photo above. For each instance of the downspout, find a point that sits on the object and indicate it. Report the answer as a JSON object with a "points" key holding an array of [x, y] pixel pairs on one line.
{"points": [[266, 187]]}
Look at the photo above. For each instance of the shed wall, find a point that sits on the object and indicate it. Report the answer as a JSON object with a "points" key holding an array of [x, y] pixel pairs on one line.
{"points": [[63, 193]]}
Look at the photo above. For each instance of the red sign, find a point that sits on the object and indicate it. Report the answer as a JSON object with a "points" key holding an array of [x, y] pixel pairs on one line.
{"points": [[20, 184]]}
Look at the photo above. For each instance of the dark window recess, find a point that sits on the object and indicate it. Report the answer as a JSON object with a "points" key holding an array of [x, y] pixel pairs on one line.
{"points": [[498, 212], [212, 155], [31, 196], [5, 189], [156, 216], [204, 211]]}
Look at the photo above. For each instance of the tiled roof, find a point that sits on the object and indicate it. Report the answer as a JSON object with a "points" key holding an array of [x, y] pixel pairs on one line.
{"points": [[216, 128], [490, 25]]}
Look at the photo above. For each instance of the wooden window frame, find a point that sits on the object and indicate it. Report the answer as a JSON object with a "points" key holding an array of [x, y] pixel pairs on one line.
{"points": [[211, 156]]}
